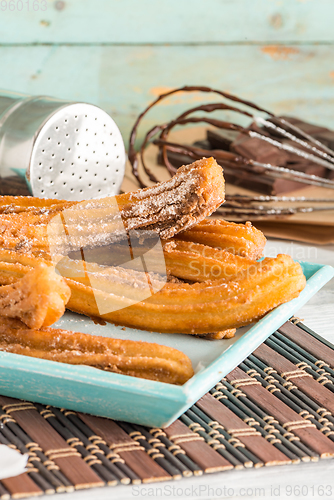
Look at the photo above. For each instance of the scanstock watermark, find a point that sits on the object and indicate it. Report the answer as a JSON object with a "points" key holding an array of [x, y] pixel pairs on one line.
{"points": [[89, 242], [23, 5], [206, 491]]}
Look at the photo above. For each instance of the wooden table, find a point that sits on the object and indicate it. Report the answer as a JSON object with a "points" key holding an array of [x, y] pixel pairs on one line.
{"points": [[306, 481], [121, 54]]}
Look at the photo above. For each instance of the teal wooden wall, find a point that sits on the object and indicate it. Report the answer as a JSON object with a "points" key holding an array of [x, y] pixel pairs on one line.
{"points": [[120, 54]]}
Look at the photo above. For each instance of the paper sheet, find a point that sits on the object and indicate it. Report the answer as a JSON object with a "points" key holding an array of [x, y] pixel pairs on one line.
{"points": [[12, 463]]}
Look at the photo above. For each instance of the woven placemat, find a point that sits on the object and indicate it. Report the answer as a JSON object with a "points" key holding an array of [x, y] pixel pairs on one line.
{"points": [[277, 407]]}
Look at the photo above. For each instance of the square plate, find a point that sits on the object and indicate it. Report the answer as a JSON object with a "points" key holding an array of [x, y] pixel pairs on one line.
{"points": [[131, 399]]}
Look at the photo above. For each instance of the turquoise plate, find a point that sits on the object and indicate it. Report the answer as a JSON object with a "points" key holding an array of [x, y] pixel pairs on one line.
{"points": [[120, 397]]}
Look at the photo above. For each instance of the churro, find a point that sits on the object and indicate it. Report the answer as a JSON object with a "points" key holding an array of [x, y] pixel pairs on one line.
{"points": [[166, 208], [199, 308], [230, 288], [225, 334], [19, 204], [127, 357], [195, 262], [182, 259], [240, 239], [38, 299], [202, 307]]}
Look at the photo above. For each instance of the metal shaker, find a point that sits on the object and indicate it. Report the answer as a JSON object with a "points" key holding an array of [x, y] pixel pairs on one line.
{"points": [[51, 148]]}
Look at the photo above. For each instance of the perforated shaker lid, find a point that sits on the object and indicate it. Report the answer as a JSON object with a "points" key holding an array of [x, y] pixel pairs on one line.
{"points": [[78, 154]]}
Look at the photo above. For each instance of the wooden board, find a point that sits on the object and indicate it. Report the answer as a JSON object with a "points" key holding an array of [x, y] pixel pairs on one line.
{"points": [[121, 54], [123, 80], [148, 21]]}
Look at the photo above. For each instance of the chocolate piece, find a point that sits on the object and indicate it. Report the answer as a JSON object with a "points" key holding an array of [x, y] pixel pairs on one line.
{"points": [[326, 137], [309, 128], [202, 144], [266, 151], [294, 158], [176, 159], [258, 150], [260, 183], [255, 128], [221, 139], [133, 155], [308, 167]]}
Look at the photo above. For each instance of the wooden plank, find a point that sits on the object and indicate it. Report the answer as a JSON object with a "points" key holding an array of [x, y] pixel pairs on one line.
{"points": [[123, 80], [150, 22]]}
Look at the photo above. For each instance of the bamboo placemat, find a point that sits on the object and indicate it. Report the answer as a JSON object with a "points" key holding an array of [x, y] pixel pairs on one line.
{"points": [[275, 408]]}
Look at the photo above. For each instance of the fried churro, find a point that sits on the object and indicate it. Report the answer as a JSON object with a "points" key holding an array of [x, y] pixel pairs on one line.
{"points": [[226, 287], [182, 259], [195, 262], [199, 308], [202, 307], [137, 359], [38, 299], [166, 208], [240, 239], [19, 204], [225, 334]]}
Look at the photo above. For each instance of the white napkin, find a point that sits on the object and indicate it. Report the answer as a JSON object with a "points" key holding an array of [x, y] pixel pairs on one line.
{"points": [[12, 463]]}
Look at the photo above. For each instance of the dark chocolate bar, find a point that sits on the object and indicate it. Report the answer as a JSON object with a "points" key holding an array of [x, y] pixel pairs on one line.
{"points": [[221, 139], [307, 127], [256, 149], [255, 182]]}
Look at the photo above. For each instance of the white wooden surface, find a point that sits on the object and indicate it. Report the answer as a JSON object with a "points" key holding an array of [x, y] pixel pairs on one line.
{"points": [[306, 481]]}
